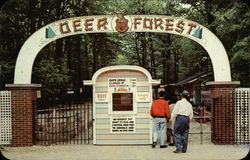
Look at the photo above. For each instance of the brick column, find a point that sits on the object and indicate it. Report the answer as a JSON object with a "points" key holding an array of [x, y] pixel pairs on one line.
{"points": [[22, 97], [223, 112]]}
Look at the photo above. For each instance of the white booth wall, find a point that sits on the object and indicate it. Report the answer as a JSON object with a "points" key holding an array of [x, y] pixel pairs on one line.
{"points": [[104, 115]]}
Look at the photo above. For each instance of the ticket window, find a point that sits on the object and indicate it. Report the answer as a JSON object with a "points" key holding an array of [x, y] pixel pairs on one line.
{"points": [[122, 101]]}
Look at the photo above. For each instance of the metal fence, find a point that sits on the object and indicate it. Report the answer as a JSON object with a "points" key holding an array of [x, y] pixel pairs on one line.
{"points": [[72, 124], [202, 116], [64, 124]]}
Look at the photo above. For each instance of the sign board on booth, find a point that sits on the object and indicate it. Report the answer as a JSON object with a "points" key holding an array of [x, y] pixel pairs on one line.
{"points": [[122, 124]]}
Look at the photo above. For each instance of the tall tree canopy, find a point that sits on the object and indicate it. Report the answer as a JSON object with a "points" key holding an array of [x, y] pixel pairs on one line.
{"points": [[66, 62]]}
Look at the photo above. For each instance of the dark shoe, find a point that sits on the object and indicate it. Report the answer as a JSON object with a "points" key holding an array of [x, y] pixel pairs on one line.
{"points": [[163, 146], [171, 144], [154, 144], [176, 151], [183, 151]]}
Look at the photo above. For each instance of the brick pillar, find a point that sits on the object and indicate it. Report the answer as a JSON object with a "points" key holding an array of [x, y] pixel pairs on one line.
{"points": [[223, 112], [22, 97]]}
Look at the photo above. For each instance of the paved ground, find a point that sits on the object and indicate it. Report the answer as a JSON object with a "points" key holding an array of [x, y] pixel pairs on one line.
{"points": [[92, 152], [196, 151]]}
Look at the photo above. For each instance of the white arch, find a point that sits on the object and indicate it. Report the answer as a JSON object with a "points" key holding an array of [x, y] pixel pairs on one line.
{"points": [[108, 23]]}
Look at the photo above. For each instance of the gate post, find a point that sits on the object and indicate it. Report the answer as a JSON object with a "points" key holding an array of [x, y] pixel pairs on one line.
{"points": [[22, 97], [223, 111]]}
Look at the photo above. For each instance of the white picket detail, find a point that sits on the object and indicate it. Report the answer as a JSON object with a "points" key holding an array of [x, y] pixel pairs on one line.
{"points": [[5, 118], [242, 115]]}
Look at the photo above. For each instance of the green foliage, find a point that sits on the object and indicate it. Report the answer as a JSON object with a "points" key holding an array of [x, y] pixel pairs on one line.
{"points": [[241, 61], [120, 59], [53, 76], [66, 62]]}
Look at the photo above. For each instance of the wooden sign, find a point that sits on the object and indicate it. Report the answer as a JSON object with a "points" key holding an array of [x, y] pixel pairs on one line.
{"points": [[121, 23], [101, 97], [143, 97], [122, 84]]}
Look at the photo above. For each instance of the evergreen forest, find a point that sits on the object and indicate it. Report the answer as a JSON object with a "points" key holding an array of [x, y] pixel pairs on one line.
{"points": [[66, 62]]}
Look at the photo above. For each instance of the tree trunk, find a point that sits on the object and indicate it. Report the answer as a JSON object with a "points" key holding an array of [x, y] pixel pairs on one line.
{"points": [[152, 58], [95, 57], [85, 63], [164, 68], [209, 16], [176, 64], [144, 53], [137, 49], [31, 16], [69, 56], [78, 73], [166, 56], [58, 50]]}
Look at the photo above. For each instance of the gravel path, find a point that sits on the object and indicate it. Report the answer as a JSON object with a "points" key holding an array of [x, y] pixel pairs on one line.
{"points": [[92, 152]]}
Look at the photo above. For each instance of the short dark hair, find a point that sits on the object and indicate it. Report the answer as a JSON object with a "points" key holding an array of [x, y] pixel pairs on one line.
{"points": [[162, 93]]}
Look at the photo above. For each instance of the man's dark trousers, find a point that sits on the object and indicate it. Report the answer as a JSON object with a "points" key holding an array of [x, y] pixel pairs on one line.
{"points": [[181, 129]]}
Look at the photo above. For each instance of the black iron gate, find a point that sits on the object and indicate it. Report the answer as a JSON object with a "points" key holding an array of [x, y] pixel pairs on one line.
{"points": [[64, 124]]}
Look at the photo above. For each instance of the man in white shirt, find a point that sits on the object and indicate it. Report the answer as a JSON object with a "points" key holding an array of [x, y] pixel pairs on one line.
{"points": [[182, 114]]}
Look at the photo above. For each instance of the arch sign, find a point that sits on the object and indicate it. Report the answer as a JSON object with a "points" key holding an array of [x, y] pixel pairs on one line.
{"points": [[121, 23]]}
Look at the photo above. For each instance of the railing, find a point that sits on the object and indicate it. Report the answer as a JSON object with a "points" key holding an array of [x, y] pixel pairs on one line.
{"points": [[201, 118], [64, 124], [72, 124]]}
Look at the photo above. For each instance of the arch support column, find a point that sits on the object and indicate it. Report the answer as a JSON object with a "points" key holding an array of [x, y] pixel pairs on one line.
{"points": [[22, 111], [223, 111]]}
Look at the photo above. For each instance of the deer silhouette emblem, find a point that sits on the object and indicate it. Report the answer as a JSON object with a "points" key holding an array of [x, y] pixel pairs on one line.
{"points": [[121, 23]]}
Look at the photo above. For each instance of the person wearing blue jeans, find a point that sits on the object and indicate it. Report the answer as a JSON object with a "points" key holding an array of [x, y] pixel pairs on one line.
{"points": [[160, 112], [160, 125], [182, 114]]}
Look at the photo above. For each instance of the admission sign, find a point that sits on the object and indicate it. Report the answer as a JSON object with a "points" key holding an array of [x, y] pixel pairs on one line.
{"points": [[122, 124], [121, 24]]}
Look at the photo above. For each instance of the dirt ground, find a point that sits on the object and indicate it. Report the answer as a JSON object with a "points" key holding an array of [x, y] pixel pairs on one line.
{"points": [[196, 151], [92, 152]]}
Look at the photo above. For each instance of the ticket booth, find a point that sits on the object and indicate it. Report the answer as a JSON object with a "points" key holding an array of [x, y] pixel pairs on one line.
{"points": [[122, 96]]}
